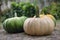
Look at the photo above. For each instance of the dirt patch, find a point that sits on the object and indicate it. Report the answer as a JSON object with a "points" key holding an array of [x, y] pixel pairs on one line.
{"points": [[22, 36]]}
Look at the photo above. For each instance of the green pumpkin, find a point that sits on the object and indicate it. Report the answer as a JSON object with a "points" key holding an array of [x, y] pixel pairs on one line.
{"points": [[14, 25]]}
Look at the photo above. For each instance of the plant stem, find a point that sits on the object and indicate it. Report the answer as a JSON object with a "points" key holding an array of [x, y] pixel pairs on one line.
{"points": [[35, 2], [37, 13], [37, 8]]}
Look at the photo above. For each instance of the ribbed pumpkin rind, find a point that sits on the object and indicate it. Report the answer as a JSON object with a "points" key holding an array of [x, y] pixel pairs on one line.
{"points": [[14, 25], [38, 26]]}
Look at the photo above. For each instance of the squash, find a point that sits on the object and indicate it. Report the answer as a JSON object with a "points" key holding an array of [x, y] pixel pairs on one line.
{"points": [[14, 25], [50, 16], [39, 26]]}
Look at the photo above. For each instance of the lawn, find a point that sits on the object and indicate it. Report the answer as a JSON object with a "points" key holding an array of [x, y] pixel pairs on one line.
{"points": [[22, 36]]}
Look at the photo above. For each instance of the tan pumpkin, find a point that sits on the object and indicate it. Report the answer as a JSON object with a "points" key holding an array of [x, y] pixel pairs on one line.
{"points": [[50, 16], [39, 26], [42, 15]]}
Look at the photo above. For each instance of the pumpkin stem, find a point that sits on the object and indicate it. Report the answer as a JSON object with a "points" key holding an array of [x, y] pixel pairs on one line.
{"points": [[34, 16], [37, 8], [37, 14], [15, 14]]}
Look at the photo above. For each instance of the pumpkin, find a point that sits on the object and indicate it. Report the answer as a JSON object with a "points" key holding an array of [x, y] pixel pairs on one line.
{"points": [[39, 26], [14, 25], [50, 16]]}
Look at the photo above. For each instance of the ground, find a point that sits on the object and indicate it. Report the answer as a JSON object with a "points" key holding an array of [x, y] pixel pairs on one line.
{"points": [[22, 36]]}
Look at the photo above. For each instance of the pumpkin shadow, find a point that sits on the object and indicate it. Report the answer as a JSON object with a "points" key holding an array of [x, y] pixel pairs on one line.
{"points": [[24, 34], [37, 35]]}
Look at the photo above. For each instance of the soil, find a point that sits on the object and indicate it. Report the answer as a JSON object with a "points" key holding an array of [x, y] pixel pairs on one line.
{"points": [[22, 36]]}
